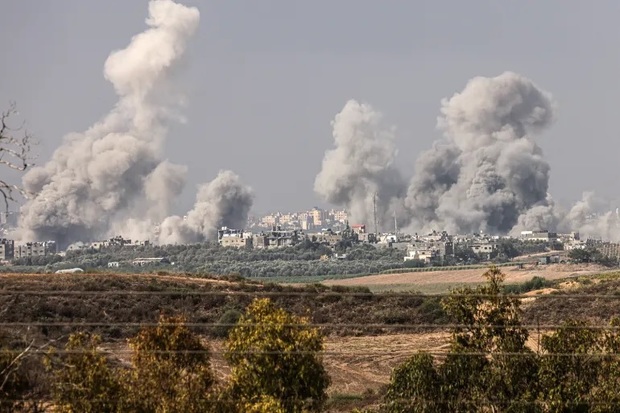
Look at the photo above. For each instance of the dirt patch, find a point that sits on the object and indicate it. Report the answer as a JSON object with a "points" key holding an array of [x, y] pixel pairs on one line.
{"points": [[356, 364]]}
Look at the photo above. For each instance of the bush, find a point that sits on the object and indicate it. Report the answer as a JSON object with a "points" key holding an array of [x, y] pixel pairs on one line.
{"points": [[83, 378], [275, 354], [171, 369], [226, 323]]}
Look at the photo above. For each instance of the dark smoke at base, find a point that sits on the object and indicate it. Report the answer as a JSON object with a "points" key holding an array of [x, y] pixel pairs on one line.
{"points": [[112, 179], [487, 171]]}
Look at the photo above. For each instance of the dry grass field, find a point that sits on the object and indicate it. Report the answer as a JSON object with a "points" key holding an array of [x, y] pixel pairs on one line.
{"points": [[443, 281], [355, 364]]}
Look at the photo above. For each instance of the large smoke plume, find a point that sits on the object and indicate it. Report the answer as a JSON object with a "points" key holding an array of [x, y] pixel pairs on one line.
{"points": [[488, 170], [487, 173], [113, 177], [359, 173]]}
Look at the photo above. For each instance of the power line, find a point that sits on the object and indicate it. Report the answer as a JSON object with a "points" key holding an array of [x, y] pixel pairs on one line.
{"points": [[361, 294], [438, 326]]}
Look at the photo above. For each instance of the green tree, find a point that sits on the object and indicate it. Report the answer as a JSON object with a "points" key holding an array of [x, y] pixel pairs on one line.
{"points": [[415, 386], [275, 354], [489, 362], [607, 392], [488, 367], [580, 255], [570, 367], [171, 370], [226, 322], [83, 379]]}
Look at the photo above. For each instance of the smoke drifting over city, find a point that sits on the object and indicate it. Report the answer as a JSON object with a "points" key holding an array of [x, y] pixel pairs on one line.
{"points": [[359, 174], [104, 179], [486, 174]]}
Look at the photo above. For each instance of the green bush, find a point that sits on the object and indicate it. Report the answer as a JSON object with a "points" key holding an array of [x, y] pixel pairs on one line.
{"points": [[226, 322]]}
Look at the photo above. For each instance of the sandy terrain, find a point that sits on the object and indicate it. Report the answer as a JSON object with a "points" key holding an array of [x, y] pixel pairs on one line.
{"points": [[447, 278], [356, 364]]}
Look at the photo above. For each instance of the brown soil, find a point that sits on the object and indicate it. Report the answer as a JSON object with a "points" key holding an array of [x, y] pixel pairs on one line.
{"points": [[513, 276]]}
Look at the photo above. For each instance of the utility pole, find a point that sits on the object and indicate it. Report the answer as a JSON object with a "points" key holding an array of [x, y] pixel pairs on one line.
{"points": [[395, 224]]}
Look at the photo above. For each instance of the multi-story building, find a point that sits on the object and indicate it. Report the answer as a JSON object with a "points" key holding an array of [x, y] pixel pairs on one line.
{"points": [[542, 235], [275, 238], [328, 238], [318, 216], [269, 220], [340, 216], [35, 249], [306, 221], [117, 241], [484, 249], [7, 249], [237, 238]]}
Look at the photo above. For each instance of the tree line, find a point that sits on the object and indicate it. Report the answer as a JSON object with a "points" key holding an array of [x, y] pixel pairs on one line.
{"points": [[303, 259]]}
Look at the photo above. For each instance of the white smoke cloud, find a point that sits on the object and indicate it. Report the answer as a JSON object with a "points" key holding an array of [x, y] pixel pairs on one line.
{"points": [[112, 178], [225, 201], [361, 165]]}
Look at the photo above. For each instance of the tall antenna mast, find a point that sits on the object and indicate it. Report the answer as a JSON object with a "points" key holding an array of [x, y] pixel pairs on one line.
{"points": [[395, 224], [374, 210]]}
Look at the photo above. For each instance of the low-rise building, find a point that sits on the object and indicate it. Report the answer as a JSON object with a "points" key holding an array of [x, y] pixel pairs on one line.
{"points": [[141, 262], [484, 249], [426, 256], [328, 238], [236, 242], [236, 238]]}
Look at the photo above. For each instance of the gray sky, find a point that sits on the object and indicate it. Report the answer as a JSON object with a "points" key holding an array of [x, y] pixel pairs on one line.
{"points": [[265, 78]]}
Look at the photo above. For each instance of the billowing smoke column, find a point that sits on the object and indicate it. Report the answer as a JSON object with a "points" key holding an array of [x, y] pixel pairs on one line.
{"points": [[359, 173], [112, 176], [487, 171], [225, 201]]}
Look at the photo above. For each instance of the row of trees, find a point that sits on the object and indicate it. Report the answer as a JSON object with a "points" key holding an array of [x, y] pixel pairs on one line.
{"points": [[299, 260], [275, 360], [491, 368], [211, 258], [591, 255]]}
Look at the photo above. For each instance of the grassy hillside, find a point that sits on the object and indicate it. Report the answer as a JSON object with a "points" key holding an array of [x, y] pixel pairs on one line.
{"points": [[593, 298], [121, 299]]}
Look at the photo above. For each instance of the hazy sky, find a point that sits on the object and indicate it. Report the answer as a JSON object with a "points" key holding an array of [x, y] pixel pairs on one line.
{"points": [[265, 78]]}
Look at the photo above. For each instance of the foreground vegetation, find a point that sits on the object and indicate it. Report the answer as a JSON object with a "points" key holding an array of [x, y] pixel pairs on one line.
{"points": [[490, 367], [274, 347]]}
